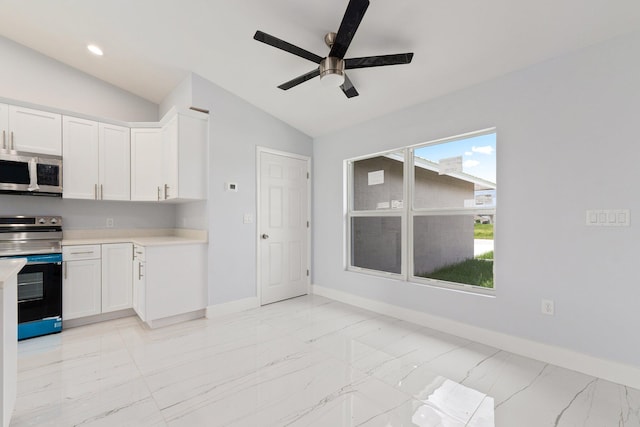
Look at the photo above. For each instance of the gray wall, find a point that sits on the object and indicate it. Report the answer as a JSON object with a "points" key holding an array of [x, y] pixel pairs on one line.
{"points": [[440, 191], [440, 241], [28, 76], [91, 214], [567, 131], [367, 197], [236, 129]]}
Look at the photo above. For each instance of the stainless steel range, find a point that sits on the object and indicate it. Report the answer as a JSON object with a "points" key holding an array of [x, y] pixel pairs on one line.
{"points": [[39, 240]]}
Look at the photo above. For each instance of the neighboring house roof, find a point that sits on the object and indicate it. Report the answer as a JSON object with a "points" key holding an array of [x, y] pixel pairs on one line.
{"points": [[479, 183]]}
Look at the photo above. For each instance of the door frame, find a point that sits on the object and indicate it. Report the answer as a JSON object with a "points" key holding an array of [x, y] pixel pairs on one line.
{"points": [[307, 159]]}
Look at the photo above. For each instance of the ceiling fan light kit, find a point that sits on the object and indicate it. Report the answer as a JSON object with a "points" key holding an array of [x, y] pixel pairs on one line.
{"points": [[331, 68]]}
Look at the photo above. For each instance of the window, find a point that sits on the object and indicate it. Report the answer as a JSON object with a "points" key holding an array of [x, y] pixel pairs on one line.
{"points": [[431, 208], [376, 213]]}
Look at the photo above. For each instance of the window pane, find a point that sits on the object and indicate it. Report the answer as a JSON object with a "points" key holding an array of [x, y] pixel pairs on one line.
{"points": [[376, 243], [456, 174], [453, 248], [378, 182]]}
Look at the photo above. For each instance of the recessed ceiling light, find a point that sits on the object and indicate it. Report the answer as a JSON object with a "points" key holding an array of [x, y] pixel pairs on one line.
{"points": [[95, 49]]}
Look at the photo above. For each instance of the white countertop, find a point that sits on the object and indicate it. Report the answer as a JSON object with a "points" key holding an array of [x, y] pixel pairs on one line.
{"points": [[9, 268], [138, 240], [142, 237]]}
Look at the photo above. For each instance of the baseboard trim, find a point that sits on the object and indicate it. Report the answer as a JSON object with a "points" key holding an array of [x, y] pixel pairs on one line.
{"points": [[178, 318], [232, 307], [88, 320], [606, 369]]}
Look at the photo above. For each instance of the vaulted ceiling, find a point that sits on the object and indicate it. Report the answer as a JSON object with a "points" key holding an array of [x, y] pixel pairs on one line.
{"points": [[151, 45]]}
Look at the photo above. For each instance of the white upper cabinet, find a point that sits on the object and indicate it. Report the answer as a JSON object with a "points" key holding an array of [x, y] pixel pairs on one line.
{"points": [[115, 162], [4, 127], [146, 164], [170, 163], [184, 158], [80, 154], [96, 160], [29, 130]]}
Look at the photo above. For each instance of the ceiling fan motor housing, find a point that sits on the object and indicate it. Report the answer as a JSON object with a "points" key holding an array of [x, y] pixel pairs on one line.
{"points": [[332, 71]]}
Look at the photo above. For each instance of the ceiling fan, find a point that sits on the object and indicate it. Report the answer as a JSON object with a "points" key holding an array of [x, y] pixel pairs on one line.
{"points": [[331, 68]]}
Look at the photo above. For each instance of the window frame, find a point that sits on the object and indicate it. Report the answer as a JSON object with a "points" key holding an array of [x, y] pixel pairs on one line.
{"points": [[376, 213], [408, 213]]}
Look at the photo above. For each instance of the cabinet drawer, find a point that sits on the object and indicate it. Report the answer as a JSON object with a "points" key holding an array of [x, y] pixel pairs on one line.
{"points": [[73, 253], [139, 253]]}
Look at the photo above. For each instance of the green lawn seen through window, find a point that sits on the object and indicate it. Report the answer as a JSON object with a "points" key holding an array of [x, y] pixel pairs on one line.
{"points": [[483, 231], [476, 271]]}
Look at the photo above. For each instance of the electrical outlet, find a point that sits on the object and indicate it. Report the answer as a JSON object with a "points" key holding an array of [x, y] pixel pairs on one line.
{"points": [[109, 222], [547, 307]]}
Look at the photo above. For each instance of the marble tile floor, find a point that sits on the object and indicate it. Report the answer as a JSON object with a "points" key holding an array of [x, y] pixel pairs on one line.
{"points": [[308, 361]]}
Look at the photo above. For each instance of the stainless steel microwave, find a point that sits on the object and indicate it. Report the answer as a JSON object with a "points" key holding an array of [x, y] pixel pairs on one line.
{"points": [[30, 173]]}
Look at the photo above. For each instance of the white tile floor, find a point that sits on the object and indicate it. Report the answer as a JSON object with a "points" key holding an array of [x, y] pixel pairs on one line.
{"points": [[308, 361]]}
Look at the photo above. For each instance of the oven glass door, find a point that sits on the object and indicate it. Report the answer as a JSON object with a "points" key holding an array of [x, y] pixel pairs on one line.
{"points": [[40, 289]]}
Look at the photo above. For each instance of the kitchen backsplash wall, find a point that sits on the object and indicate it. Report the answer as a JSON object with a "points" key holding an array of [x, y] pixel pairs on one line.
{"points": [[83, 214]]}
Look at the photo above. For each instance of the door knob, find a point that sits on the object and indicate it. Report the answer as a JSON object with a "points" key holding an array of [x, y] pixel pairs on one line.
{"points": [[265, 236]]}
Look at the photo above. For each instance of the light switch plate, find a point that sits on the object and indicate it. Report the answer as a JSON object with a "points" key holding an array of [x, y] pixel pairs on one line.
{"points": [[547, 307], [247, 219], [608, 217]]}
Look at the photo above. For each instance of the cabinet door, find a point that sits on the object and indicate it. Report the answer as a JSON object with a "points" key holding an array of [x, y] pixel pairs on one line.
{"points": [[115, 164], [117, 277], [81, 289], [139, 289], [170, 182], [35, 131], [80, 156], [146, 164], [4, 127]]}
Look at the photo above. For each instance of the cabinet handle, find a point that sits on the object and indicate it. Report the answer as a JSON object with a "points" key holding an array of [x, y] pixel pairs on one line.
{"points": [[12, 142], [4, 139], [65, 269], [101, 192], [166, 191], [81, 253], [158, 192], [140, 276]]}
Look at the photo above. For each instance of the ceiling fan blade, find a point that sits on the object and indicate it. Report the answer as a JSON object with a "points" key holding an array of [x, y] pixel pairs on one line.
{"points": [[378, 61], [300, 79], [348, 88], [287, 47], [350, 22]]}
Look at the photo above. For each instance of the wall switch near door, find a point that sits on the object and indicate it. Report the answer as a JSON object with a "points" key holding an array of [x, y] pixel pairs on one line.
{"points": [[547, 307], [109, 222], [247, 219]]}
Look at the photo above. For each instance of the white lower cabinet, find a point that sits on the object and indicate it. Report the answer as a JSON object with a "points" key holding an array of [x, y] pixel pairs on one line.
{"points": [[139, 282], [169, 281], [81, 281], [96, 279], [116, 277]]}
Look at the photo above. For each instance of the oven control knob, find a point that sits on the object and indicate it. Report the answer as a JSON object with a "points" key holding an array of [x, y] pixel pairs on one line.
{"points": [[54, 221], [42, 221]]}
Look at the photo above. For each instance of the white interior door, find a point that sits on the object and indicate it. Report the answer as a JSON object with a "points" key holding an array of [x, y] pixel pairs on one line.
{"points": [[283, 227]]}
